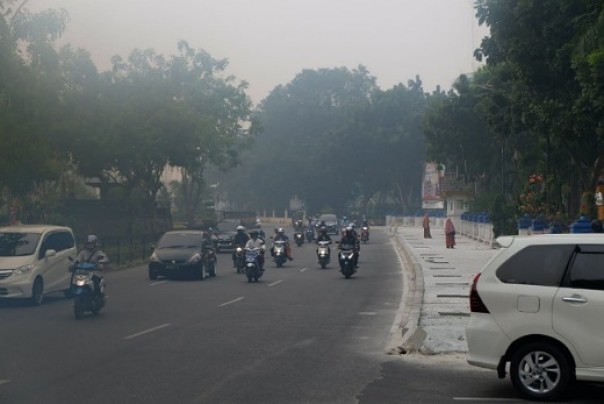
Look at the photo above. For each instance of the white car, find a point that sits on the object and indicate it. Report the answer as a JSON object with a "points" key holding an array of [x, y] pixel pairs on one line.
{"points": [[34, 261], [538, 306]]}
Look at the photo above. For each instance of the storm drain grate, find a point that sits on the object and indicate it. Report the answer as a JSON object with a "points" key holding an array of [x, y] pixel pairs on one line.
{"points": [[449, 314]]}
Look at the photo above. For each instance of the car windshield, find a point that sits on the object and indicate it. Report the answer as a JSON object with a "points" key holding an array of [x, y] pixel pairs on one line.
{"points": [[18, 244], [179, 240], [328, 218]]}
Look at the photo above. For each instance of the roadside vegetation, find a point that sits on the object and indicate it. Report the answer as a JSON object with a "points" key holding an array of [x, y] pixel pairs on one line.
{"points": [[524, 132]]}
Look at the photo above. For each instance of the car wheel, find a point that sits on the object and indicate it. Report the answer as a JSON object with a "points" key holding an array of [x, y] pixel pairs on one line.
{"points": [[540, 370], [37, 292]]}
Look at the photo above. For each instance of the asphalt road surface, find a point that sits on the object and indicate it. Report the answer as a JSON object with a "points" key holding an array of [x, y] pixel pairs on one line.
{"points": [[300, 335]]}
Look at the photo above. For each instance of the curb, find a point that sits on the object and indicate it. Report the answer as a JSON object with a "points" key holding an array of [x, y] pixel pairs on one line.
{"points": [[412, 335]]}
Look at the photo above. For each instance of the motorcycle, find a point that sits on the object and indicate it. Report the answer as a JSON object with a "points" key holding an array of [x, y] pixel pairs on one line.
{"points": [[210, 261], [365, 234], [299, 238], [346, 260], [240, 259], [252, 265], [323, 253], [279, 252], [310, 234], [86, 298]]}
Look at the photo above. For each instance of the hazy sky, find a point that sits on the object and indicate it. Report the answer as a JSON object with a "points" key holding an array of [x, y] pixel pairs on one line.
{"points": [[267, 42]]}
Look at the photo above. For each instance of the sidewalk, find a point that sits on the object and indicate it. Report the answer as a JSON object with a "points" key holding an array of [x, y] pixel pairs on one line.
{"points": [[437, 287]]}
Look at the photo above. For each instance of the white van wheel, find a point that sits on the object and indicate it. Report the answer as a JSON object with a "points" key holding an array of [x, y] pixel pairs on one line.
{"points": [[37, 292]]}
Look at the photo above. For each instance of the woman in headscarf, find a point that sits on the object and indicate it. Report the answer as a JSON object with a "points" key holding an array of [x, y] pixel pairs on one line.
{"points": [[426, 225], [449, 233]]}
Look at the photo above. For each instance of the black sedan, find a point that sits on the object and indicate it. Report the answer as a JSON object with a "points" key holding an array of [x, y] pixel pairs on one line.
{"points": [[223, 241], [178, 252]]}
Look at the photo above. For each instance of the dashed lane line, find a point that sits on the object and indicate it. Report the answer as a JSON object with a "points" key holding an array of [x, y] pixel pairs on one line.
{"points": [[303, 269], [157, 283], [231, 301], [275, 283], [138, 334], [4, 382]]}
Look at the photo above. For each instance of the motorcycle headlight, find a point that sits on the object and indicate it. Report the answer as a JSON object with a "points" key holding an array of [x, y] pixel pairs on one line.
{"points": [[364, 228], [239, 250], [195, 258], [23, 270], [81, 280]]}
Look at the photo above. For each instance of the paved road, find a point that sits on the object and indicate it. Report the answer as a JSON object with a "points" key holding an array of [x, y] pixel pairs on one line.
{"points": [[302, 334]]}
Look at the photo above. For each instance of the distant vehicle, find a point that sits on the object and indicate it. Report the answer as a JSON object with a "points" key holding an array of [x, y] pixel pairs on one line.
{"points": [[331, 223], [178, 252], [34, 261], [536, 312], [224, 240]]}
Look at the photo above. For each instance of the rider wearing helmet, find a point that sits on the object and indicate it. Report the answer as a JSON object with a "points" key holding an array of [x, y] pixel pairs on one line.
{"points": [[257, 242], [281, 236], [351, 239], [323, 236], [94, 255], [239, 240]]}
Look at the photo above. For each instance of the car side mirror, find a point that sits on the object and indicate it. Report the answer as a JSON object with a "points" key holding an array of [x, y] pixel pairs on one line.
{"points": [[50, 253]]}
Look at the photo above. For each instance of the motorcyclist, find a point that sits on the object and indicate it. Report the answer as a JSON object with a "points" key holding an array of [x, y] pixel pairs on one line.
{"points": [[207, 242], [351, 239], [93, 255], [323, 236], [239, 240], [281, 236], [257, 242]]}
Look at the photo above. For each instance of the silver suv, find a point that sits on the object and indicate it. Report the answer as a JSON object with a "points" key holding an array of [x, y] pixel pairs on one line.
{"points": [[539, 305]]}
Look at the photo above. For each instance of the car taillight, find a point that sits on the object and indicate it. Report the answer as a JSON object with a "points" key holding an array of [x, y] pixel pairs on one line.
{"points": [[476, 303]]}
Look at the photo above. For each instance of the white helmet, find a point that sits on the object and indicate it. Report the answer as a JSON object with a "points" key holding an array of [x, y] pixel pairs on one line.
{"points": [[280, 230], [240, 228]]}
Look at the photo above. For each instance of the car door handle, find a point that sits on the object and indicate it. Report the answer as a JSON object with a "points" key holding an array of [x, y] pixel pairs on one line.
{"points": [[575, 299]]}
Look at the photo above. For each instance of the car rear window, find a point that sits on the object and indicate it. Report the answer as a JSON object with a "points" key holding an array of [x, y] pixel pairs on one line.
{"points": [[537, 265], [18, 244], [179, 240]]}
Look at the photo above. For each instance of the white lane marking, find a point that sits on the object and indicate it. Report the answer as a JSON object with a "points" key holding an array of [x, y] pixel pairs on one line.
{"points": [[275, 283], [303, 269], [367, 313], [138, 334], [488, 399], [4, 382], [158, 283], [231, 301]]}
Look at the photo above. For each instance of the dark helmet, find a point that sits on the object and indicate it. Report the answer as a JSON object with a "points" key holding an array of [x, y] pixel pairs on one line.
{"points": [[348, 230], [254, 233], [280, 230], [596, 226], [323, 230]]}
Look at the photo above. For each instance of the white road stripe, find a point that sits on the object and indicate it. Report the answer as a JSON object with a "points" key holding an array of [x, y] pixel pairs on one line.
{"points": [[231, 301], [4, 382], [275, 283], [488, 399], [158, 283], [138, 334], [367, 313], [303, 269]]}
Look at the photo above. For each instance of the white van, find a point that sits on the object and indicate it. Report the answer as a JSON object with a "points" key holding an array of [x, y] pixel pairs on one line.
{"points": [[34, 261]]}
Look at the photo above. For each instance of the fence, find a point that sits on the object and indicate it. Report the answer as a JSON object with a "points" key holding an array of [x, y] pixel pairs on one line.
{"points": [[474, 225], [126, 251]]}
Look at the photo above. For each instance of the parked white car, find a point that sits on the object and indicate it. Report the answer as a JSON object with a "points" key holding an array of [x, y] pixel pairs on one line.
{"points": [[34, 261], [539, 306]]}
